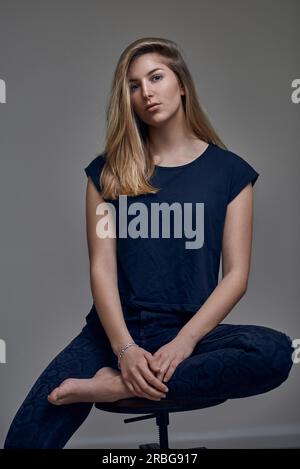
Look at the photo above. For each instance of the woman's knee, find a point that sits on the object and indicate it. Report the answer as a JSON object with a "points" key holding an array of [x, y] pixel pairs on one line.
{"points": [[81, 358], [275, 349]]}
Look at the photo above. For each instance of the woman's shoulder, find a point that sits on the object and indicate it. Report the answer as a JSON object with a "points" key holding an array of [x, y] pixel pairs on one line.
{"points": [[97, 162], [94, 169], [234, 169], [227, 156]]}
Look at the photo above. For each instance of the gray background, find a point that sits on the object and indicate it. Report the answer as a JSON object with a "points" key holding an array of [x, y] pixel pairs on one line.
{"points": [[57, 58]]}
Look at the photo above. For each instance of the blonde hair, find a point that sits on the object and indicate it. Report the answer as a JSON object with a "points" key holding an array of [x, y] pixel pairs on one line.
{"points": [[128, 162]]}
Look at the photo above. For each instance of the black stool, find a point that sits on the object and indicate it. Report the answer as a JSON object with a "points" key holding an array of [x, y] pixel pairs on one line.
{"points": [[156, 409]]}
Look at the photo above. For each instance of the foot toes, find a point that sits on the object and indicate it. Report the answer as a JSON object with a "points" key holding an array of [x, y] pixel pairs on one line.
{"points": [[56, 395]]}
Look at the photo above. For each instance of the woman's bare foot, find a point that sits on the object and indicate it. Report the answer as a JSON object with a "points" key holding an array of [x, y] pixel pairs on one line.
{"points": [[106, 385]]}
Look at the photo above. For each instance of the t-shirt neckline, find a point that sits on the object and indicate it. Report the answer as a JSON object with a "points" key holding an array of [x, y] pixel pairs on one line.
{"points": [[195, 160]]}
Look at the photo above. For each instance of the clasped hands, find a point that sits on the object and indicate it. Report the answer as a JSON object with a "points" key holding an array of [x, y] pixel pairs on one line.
{"points": [[145, 374]]}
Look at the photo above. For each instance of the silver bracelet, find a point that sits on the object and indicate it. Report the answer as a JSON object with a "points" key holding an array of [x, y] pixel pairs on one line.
{"points": [[122, 351]]}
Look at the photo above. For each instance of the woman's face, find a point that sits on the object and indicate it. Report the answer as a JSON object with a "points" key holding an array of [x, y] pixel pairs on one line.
{"points": [[160, 86]]}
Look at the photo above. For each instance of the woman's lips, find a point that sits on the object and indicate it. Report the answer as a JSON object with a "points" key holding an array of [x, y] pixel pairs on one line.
{"points": [[153, 108]]}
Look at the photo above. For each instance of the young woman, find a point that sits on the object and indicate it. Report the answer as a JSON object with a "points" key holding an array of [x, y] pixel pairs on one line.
{"points": [[163, 201]]}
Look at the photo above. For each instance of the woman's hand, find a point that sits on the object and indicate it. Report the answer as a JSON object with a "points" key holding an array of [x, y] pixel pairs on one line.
{"points": [[138, 377], [168, 357]]}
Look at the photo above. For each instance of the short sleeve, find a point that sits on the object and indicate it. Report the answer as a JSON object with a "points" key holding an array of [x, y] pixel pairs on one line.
{"points": [[242, 173], [94, 170]]}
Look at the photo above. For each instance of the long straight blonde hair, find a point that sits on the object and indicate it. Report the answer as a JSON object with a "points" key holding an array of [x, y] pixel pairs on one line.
{"points": [[128, 162]]}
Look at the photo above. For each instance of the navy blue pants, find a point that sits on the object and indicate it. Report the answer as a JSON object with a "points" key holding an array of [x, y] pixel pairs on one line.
{"points": [[231, 361]]}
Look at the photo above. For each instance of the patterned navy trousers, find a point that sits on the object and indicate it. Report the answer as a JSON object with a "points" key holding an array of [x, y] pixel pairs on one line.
{"points": [[231, 361]]}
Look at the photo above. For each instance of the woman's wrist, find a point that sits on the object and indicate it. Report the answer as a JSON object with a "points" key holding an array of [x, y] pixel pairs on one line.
{"points": [[120, 342], [123, 350]]}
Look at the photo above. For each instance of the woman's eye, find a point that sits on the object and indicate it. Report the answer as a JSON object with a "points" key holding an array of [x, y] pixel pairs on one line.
{"points": [[154, 76]]}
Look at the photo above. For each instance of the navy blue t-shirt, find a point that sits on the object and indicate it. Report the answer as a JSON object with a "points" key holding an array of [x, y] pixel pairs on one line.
{"points": [[159, 272]]}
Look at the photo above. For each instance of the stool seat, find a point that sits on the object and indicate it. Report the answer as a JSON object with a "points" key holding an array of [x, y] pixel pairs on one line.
{"points": [[158, 410], [137, 405]]}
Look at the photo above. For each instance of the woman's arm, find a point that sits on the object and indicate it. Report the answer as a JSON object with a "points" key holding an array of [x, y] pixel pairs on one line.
{"points": [[103, 274], [236, 257]]}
